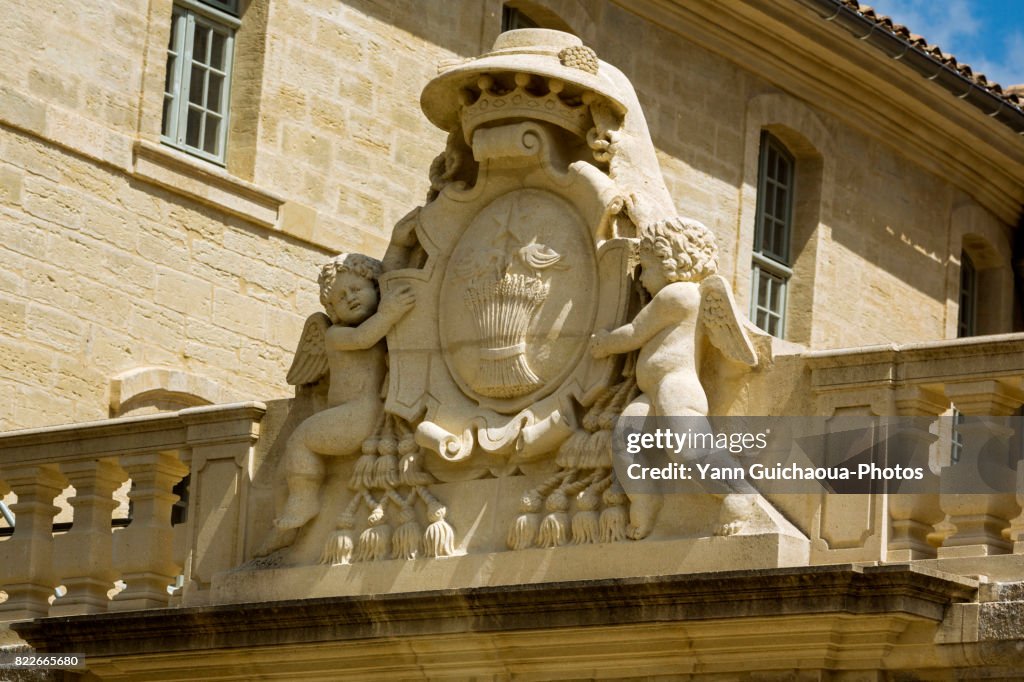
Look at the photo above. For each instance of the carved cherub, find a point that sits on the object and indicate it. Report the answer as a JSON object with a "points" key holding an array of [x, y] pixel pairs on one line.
{"points": [[691, 305], [348, 342]]}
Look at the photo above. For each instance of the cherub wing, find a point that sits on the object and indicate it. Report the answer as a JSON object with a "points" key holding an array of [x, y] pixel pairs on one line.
{"points": [[722, 321], [310, 362]]}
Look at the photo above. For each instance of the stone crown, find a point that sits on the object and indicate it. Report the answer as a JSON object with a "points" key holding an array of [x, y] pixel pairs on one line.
{"points": [[524, 100]]}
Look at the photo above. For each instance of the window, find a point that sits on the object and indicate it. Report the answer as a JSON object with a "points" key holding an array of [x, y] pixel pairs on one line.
{"points": [[512, 19], [773, 227], [968, 315], [198, 80]]}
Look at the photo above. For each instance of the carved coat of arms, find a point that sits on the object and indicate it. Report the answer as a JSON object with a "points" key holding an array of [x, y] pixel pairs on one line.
{"points": [[513, 318]]}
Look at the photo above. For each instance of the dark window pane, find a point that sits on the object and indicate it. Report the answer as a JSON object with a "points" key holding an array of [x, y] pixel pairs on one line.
{"points": [[169, 76], [166, 128], [200, 43], [778, 232], [780, 204], [196, 85], [210, 134], [771, 191], [195, 118], [217, 50], [213, 93]]}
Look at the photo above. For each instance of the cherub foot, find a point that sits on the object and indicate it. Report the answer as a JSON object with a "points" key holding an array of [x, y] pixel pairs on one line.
{"points": [[736, 512], [277, 539], [731, 528], [639, 532], [643, 512]]}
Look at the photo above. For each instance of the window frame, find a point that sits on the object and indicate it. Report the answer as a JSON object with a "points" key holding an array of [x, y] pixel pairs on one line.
{"points": [[772, 264], [185, 17], [967, 315]]}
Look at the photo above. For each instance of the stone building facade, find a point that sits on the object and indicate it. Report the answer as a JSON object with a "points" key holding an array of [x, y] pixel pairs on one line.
{"points": [[174, 173], [137, 276]]}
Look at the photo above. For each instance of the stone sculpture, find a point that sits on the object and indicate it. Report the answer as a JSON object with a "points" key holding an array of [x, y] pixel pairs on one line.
{"points": [[545, 200], [347, 343], [690, 302]]}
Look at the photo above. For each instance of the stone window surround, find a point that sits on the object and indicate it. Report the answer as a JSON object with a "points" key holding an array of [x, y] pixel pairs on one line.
{"points": [[771, 247], [983, 238], [246, 79], [189, 17], [802, 132]]}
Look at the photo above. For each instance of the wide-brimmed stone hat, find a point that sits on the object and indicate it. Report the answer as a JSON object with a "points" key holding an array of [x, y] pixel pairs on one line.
{"points": [[536, 51]]}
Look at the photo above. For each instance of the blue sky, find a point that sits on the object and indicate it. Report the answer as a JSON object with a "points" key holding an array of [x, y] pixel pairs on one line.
{"points": [[987, 34]]}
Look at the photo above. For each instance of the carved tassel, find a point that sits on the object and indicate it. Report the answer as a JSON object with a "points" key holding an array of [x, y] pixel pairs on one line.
{"points": [[598, 451], [406, 542], [524, 529], [361, 474], [569, 454], [385, 472], [554, 528], [585, 522], [375, 541], [439, 539], [339, 545], [615, 517]]}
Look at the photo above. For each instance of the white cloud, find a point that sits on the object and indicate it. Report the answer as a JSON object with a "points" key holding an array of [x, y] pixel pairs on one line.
{"points": [[1008, 68], [951, 25], [956, 28]]}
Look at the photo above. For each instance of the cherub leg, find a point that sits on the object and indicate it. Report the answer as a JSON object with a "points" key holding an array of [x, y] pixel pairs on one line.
{"points": [[643, 507], [304, 472]]}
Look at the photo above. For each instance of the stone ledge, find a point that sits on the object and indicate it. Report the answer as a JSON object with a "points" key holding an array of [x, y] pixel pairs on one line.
{"points": [[561, 565], [818, 591], [182, 174]]}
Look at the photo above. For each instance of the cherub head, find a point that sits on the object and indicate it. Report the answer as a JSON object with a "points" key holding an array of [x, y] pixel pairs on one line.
{"points": [[676, 250], [348, 288]]}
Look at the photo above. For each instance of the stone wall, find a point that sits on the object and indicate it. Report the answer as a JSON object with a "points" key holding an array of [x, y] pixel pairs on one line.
{"points": [[111, 262], [105, 271]]}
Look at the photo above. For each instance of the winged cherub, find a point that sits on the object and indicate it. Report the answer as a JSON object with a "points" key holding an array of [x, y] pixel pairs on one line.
{"points": [[349, 343], [690, 305]]}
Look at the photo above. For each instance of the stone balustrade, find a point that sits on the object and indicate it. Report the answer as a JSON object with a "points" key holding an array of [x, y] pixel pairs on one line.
{"points": [[227, 515], [980, 377], [213, 445]]}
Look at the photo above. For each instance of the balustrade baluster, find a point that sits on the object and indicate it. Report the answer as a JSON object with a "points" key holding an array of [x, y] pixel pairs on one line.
{"points": [[27, 557], [980, 519], [913, 515], [144, 550], [84, 554]]}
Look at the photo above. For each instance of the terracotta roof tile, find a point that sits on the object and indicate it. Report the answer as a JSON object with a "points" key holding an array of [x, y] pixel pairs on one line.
{"points": [[919, 42]]}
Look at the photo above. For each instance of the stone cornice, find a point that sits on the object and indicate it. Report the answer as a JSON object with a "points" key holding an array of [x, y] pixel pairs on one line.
{"points": [[815, 591]]}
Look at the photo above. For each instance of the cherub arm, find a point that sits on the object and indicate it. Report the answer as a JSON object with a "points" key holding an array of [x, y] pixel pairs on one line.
{"points": [[668, 307], [375, 327], [403, 242]]}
